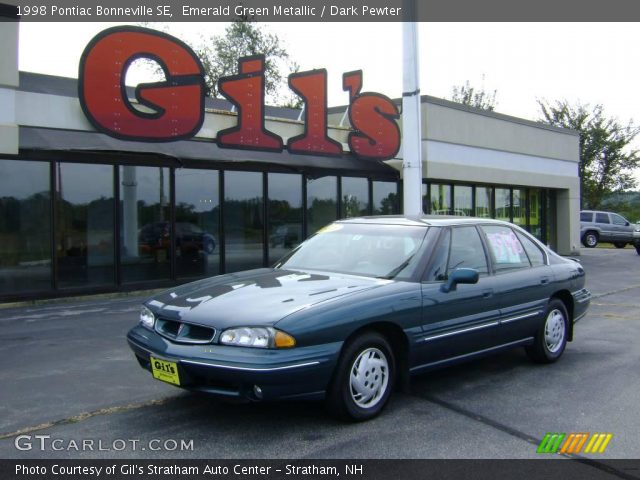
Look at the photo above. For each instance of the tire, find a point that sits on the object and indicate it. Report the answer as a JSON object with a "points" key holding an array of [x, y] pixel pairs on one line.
{"points": [[638, 248], [619, 244], [551, 338], [209, 246], [590, 239], [361, 387]]}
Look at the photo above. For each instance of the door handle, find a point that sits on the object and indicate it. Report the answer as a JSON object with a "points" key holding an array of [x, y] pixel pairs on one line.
{"points": [[544, 280], [487, 293]]}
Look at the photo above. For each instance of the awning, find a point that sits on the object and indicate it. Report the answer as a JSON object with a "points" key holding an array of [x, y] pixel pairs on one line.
{"points": [[183, 151]]}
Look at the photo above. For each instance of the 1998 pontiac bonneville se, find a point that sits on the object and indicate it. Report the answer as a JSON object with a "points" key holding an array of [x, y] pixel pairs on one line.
{"points": [[361, 306]]}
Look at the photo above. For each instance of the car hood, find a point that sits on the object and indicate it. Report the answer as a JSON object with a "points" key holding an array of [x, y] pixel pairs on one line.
{"points": [[255, 297]]}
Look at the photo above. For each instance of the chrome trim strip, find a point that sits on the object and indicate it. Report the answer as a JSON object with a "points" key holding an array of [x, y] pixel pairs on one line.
{"points": [[579, 317], [456, 332], [250, 369], [521, 317], [229, 367]]}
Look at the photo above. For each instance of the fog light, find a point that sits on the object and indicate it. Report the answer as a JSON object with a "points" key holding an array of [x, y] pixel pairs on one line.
{"points": [[257, 391]]}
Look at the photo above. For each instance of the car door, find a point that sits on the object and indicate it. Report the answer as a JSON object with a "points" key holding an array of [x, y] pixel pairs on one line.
{"points": [[604, 225], [523, 281], [463, 320], [623, 230]]}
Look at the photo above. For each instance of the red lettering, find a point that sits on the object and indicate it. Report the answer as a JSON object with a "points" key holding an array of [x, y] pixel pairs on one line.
{"points": [[312, 87], [177, 103], [373, 117], [246, 92]]}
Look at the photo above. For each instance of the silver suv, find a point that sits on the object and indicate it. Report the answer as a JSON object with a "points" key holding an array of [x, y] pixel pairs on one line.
{"points": [[597, 226]]}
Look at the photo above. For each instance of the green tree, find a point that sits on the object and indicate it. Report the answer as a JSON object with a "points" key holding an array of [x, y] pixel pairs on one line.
{"points": [[607, 160], [220, 53], [243, 37], [478, 98]]}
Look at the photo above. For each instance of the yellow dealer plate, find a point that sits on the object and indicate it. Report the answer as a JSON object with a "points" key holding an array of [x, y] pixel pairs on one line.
{"points": [[165, 371]]}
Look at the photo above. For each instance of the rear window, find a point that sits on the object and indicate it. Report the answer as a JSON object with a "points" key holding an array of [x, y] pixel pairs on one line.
{"points": [[586, 216], [602, 218]]}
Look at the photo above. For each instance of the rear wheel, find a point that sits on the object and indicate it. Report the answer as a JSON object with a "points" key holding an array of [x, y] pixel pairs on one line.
{"points": [[590, 239], [551, 338], [619, 244], [363, 379]]}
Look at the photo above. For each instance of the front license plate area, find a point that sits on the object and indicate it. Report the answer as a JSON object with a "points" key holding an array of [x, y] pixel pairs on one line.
{"points": [[165, 371]]}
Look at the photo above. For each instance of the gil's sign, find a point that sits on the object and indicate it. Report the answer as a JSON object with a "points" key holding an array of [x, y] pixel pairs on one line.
{"points": [[176, 105]]}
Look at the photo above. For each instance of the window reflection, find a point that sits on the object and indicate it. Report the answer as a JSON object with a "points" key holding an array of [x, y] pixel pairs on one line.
{"points": [[355, 197], [322, 202], [197, 223], [484, 202], [25, 226], [503, 204], [462, 204], [144, 223], [285, 213], [385, 198], [84, 230], [440, 199], [520, 206], [243, 220]]}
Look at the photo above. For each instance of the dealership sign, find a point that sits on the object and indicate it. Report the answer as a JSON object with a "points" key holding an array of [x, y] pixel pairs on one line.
{"points": [[176, 105]]}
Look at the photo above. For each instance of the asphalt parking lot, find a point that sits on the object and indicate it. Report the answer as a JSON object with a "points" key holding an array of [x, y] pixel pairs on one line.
{"points": [[68, 373]]}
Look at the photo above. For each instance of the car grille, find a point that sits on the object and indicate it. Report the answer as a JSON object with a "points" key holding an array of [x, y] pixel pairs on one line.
{"points": [[183, 332]]}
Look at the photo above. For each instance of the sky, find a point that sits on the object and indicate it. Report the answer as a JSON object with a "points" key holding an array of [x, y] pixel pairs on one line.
{"points": [[594, 63]]}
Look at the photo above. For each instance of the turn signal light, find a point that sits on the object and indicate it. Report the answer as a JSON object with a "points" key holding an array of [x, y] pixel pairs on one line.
{"points": [[284, 340]]}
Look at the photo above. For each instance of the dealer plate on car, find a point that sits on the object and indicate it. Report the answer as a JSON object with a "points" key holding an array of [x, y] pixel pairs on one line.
{"points": [[165, 371]]}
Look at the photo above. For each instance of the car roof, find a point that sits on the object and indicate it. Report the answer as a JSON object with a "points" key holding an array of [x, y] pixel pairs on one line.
{"points": [[423, 220]]}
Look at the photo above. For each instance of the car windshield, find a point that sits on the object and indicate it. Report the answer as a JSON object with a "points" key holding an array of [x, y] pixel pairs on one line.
{"points": [[382, 251]]}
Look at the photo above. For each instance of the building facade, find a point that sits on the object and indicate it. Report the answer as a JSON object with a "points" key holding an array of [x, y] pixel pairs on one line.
{"points": [[82, 212]]}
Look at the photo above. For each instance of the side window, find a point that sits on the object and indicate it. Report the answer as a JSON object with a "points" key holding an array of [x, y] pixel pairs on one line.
{"points": [[467, 250], [586, 216], [618, 220], [602, 218], [536, 256], [437, 271], [508, 253]]}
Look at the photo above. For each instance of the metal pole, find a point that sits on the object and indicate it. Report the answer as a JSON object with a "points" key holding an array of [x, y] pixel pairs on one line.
{"points": [[411, 114]]}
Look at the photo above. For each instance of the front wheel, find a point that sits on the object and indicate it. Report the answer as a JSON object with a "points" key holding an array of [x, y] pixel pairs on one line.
{"points": [[551, 338], [363, 379], [637, 245]]}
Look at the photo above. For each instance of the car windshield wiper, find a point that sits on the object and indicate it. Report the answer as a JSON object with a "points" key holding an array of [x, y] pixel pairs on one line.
{"points": [[397, 270]]}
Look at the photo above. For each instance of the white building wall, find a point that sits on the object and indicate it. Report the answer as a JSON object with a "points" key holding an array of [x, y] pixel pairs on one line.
{"points": [[8, 84]]}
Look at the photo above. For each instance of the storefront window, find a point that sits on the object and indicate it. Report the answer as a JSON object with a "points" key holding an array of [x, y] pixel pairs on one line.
{"points": [[484, 201], [25, 226], [385, 198], [322, 202], [355, 197], [503, 204], [243, 220], [84, 227], [285, 213], [462, 204], [145, 225], [535, 213], [520, 207], [440, 199], [197, 223]]}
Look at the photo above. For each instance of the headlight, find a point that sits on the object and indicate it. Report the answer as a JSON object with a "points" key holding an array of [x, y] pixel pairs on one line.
{"points": [[147, 318], [259, 337]]}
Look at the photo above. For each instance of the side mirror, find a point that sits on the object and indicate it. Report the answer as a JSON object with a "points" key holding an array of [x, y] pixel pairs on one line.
{"points": [[460, 275], [626, 224]]}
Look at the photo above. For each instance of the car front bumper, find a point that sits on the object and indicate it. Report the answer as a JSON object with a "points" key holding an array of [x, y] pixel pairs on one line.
{"points": [[234, 372]]}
